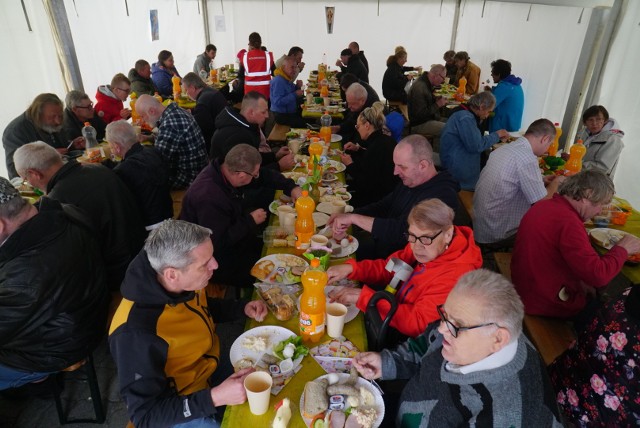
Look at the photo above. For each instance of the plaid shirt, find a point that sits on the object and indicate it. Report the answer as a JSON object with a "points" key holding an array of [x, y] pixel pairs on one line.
{"points": [[181, 144]]}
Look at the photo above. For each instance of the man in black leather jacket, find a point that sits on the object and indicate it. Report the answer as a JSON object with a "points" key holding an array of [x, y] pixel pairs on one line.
{"points": [[53, 295]]}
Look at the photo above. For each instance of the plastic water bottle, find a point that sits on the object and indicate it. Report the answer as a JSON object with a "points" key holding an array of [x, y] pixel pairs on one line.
{"points": [[92, 147]]}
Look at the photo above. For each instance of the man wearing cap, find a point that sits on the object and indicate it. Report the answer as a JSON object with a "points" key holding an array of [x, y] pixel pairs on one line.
{"points": [[350, 63], [53, 295]]}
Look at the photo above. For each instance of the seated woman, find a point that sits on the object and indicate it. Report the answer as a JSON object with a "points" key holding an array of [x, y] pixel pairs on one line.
{"points": [[371, 163], [597, 379], [472, 368], [439, 252], [468, 70], [602, 137], [462, 142], [162, 72], [394, 80]]}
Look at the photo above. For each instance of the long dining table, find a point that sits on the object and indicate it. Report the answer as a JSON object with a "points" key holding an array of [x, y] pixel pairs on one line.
{"points": [[240, 415]]}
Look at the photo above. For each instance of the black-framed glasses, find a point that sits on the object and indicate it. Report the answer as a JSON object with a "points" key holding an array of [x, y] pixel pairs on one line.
{"points": [[455, 330], [424, 239], [90, 106], [255, 176], [126, 91]]}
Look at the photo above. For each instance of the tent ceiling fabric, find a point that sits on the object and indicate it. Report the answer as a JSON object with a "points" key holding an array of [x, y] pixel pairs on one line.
{"points": [[542, 39]]}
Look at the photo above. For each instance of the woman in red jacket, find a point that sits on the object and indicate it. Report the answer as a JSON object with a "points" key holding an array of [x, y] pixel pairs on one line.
{"points": [[439, 252]]}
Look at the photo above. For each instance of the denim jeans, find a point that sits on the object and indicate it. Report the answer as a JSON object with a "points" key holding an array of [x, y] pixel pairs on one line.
{"points": [[14, 378], [199, 423]]}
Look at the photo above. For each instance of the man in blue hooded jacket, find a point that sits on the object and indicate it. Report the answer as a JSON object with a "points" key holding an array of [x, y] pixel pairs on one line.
{"points": [[509, 98]]}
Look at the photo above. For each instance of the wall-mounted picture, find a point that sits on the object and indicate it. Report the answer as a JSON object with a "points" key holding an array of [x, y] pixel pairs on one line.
{"points": [[155, 27], [329, 11]]}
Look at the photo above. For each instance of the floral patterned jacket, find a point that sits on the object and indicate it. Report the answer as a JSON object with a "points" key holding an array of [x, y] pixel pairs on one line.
{"points": [[597, 380]]}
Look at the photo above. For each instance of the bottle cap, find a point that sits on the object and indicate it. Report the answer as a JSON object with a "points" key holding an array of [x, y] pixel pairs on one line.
{"points": [[305, 193], [314, 263], [87, 124]]}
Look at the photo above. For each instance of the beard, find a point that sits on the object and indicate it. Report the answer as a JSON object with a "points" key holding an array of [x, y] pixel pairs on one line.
{"points": [[51, 129]]}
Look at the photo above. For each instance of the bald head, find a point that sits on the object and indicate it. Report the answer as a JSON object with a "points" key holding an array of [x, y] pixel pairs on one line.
{"points": [[149, 109]]}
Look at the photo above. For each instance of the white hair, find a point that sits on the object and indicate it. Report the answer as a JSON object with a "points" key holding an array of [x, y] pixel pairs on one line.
{"points": [[37, 155], [171, 244]]}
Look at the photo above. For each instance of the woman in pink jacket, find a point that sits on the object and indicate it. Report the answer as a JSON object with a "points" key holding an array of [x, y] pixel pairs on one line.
{"points": [[439, 252]]}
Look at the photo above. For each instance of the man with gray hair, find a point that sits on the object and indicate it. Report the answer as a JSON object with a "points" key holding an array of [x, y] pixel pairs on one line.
{"points": [[286, 94], [209, 103], [473, 367], [385, 221], [463, 142], [42, 121], [554, 266], [162, 336], [78, 111], [179, 139], [96, 190], [215, 200], [357, 100], [144, 172], [53, 295], [424, 107]]}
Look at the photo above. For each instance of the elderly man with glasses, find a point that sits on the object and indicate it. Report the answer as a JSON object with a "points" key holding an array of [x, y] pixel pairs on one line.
{"points": [[215, 200], [110, 97], [78, 111], [424, 107], [474, 367]]}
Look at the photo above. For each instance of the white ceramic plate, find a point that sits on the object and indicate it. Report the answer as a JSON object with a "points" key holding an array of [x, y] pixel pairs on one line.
{"points": [[379, 405], [283, 264], [320, 219], [339, 166], [338, 251], [352, 310], [345, 197], [335, 138], [273, 206], [272, 333]]}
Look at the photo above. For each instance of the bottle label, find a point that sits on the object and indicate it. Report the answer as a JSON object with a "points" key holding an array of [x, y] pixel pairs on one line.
{"points": [[311, 324]]}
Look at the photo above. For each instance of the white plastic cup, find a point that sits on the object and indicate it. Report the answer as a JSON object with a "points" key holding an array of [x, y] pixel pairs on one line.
{"points": [[336, 313], [319, 241], [339, 207], [258, 387]]}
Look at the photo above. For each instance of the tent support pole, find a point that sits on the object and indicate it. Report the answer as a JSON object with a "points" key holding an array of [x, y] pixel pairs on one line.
{"points": [[454, 29], [64, 45], [205, 21]]}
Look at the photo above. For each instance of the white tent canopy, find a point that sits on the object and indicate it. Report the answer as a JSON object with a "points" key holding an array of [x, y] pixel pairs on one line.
{"points": [[568, 52]]}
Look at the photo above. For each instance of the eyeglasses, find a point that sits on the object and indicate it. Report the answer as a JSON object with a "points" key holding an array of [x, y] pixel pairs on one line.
{"points": [[89, 107], [248, 173], [424, 239], [455, 330], [126, 91]]}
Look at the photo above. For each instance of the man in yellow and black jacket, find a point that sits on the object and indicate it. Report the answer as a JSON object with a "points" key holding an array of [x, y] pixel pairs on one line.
{"points": [[163, 333]]}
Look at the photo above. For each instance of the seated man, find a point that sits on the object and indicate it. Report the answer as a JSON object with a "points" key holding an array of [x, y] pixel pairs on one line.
{"points": [[424, 107], [179, 139], [509, 98], [286, 96], [209, 103], [140, 77], [349, 79], [78, 111], [357, 99], [554, 266], [143, 171], [42, 121], [53, 296], [350, 63], [110, 97], [163, 338], [386, 220], [97, 191], [509, 184], [433, 241], [215, 200], [296, 52], [203, 61], [244, 127], [472, 368]]}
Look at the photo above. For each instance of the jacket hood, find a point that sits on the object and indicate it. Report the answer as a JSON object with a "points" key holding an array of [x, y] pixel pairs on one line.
{"points": [[512, 79], [104, 93], [231, 117], [609, 128], [612, 126], [463, 249], [443, 178], [141, 285]]}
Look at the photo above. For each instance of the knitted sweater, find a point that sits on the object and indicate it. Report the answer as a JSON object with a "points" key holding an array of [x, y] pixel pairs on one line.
{"points": [[517, 394]]}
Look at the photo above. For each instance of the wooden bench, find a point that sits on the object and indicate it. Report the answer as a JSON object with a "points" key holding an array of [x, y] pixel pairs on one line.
{"points": [[549, 335], [401, 107], [466, 199], [278, 133], [177, 196]]}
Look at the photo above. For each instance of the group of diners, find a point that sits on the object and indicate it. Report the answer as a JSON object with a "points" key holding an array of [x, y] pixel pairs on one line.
{"points": [[110, 228]]}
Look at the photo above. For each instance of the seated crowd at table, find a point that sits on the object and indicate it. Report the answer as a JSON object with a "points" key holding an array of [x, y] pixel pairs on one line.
{"points": [[456, 339]]}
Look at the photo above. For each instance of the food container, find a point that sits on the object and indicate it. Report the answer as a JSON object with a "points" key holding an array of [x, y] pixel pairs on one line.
{"points": [[618, 216], [280, 299]]}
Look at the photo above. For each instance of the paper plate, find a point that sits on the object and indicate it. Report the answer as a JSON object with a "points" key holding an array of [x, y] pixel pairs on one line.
{"points": [[273, 206], [379, 404], [272, 333], [320, 219], [335, 138], [606, 238], [281, 271], [339, 166], [338, 251]]}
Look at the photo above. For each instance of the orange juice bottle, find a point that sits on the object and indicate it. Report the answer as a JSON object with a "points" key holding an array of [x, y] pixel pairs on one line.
{"points": [[135, 118], [462, 86], [576, 153], [304, 226], [158, 97], [325, 130], [313, 303], [315, 151], [213, 74], [324, 88], [177, 89], [553, 148]]}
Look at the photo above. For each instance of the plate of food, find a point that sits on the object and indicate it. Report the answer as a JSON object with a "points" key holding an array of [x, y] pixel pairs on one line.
{"points": [[279, 268], [335, 138], [282, 200], [343, 247], [320, 219], [329, 177], [249, 347], [607, 238], [334, 166], [336, 196], [329, 397]]}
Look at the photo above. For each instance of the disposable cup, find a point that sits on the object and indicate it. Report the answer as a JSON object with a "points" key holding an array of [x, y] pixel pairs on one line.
{"points": [[319, 241], [336, 313], [294, 146], [339, 207], [258, 387]]}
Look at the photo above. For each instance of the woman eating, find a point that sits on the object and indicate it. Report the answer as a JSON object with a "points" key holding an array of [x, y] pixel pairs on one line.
{"points": [[371, 163], [394, 80], [162, 72], [602, 137], [438, 251]]}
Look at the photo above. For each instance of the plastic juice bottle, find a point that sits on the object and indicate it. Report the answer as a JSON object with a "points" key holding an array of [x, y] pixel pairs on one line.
{"points": [[313, 303], [325, 130], [158, 97], [324, 88], [576, 153], [93, 153], [213, 74], [462, 86], [177, 89], [315, 151], [553, 148], [135, 118], [304, 226]]}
